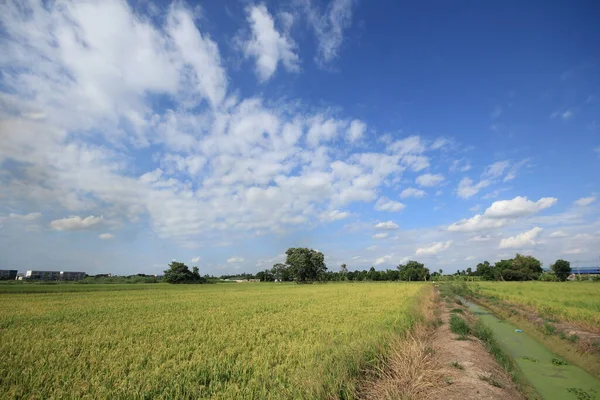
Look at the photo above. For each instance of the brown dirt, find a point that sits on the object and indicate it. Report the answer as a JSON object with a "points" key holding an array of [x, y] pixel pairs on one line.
{"points": [[477, 363], [420, 367]]}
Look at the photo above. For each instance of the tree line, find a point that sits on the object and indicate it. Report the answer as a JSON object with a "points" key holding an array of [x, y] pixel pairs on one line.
{"points": [[520, 268], [304, 265]]}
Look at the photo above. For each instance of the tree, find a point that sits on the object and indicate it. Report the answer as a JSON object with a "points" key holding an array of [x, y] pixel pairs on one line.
{"points": [[562, 269], [528, 266], [180, 273], [306, 265], [485, 270], [282, 272], [265, 276], [343, 272], [413, 271], [469, 271]]}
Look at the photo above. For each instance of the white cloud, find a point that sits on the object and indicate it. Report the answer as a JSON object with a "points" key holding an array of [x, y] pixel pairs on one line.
{"points": [[496, 169], [585, 201], [235, 260], [517, 207], [75, 223], [267, 45], [460, 166], [389, 225], [412, 192], [470, 258], [439, 143], [430, 180], [329, 26], [196, 259], [381, 235], [106, 236], [559, 234], [383, 260], [356, 130], [501, 212], [480, 238], [385, 204], [337, 215], [467, 188], [476, 223], [25, 217], [522, 240], [434, 248]]}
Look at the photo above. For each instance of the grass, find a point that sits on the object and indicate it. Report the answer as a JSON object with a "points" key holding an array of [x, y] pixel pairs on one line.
{"points": [[575, 302], [491, 380], [459, 326], [456, 365], [196, 341]]}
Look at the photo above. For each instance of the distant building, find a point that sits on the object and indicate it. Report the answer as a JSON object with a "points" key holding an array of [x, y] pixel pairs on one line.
{"points": [[71, 276], [8, 274], [583, 272], [54, 275], [42, 275]]}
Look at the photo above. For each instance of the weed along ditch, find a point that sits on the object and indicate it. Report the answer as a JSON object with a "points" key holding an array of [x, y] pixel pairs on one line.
{"points": [[551, 376]]}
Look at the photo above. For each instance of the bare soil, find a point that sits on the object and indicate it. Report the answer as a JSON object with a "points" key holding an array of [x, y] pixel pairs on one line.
{"points": [[480, 377], [431, 363]]}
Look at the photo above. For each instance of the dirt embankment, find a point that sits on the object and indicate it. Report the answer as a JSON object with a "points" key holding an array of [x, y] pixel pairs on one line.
{"points": [[432, 363]]}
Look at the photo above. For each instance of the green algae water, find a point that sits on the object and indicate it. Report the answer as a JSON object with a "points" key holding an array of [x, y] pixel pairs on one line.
{"points": [[551, 376]]}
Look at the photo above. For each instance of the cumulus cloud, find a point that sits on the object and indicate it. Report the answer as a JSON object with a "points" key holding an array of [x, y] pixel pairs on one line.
{"points": [[518, 207], [434, 248], [522, 240], [385, 204], [337, 215], [267, 46], [389, 225], [381, 235], [235, 260], [106, 236], [412, 192], [196, 259], [75, 223], [501, 212], [468, 188], [25, 217], [356, 130], [430, 180], [585, 201]]}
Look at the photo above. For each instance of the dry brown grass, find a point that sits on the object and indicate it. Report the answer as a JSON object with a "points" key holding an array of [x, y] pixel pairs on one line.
{"points": [[411, 369]]}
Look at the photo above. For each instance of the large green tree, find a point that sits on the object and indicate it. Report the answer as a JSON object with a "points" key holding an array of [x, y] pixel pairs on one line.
{"points": [[485, 270], [562, 269], [282, 272], [413, 271], [178, 272], [306, 265]]}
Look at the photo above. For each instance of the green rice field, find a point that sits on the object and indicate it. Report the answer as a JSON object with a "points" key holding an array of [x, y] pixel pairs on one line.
{"points": [[255, 340], [576, 302]]}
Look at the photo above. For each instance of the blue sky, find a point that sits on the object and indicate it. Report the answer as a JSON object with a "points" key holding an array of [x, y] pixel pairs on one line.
{"points": [[222, 133]]}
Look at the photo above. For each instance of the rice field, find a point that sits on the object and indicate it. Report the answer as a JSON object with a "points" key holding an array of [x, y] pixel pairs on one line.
{"points": [[576, 302], [264, 341]]}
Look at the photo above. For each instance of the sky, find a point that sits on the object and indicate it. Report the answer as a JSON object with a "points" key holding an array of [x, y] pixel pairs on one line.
{"points": [[221, 133]]}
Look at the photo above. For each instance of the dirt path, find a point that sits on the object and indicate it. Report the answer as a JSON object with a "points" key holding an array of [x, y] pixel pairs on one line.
{"points": [[470, 371], [430, 363]]}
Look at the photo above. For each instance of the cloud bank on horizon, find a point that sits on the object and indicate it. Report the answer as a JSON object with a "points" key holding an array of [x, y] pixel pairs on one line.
{"points": [[132, 135]]}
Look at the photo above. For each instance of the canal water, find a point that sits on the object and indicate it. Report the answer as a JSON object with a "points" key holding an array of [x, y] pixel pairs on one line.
{"points": [[551, 377]]}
